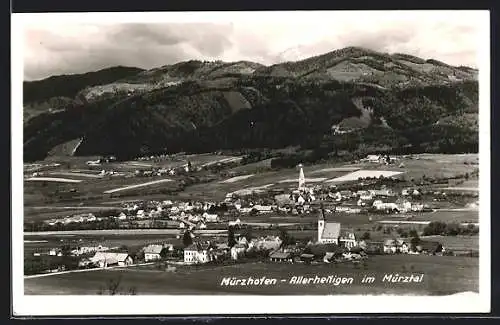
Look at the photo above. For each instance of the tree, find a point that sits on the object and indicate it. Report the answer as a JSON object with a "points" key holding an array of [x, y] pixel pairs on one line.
{"points": [[365, 236], [248, 234], [285, 237], [414, 242], [187, 239], [412, 233], [230, 237]]}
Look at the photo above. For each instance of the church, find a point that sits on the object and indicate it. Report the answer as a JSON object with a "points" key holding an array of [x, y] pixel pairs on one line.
{"points": [[331, 233], [302, 194]]}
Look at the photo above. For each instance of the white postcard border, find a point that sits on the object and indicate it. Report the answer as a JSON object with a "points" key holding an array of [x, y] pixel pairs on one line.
{"points": [[25, 305]]}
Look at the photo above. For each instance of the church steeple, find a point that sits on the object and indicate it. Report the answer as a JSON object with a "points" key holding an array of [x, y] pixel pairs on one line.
{"points": [[321, 222], [322, 213], [302, 179]]}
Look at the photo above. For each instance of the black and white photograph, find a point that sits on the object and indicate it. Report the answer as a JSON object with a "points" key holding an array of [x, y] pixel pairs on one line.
{"points": [[251, 162]]}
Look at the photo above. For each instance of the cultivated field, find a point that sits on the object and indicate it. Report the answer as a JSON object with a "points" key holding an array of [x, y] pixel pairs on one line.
{"points": [[137, 185], [442, 276], [364, 174], [53, 179]]}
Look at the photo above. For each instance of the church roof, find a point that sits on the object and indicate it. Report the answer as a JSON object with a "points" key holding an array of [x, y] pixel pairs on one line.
{"points": [[331, 230]]}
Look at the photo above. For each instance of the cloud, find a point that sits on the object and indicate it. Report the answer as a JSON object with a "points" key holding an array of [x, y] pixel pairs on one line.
{"points": [[74, 47]]}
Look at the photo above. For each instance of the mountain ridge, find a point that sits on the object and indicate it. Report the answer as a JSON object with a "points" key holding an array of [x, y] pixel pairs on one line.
{"points": [[200, 105]]}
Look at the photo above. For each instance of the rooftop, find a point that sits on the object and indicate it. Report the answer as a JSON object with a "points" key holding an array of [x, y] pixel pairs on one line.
{"points": [[331, 230]]}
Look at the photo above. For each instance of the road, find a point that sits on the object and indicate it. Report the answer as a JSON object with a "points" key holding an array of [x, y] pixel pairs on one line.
{"points": [[121, 232], [82, 270], [74, 207]]}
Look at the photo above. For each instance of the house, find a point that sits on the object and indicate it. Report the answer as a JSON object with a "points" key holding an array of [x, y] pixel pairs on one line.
{"points": [[417, 207], [403, 205], [238, 251], [430, 247], [140, 214], [373, 158], [386, 206], [263, 208], [201, 225], [382, 192], [306, 258], [196, 253], [106, 259], [122, 216], [85, 263], [55, 252], [152, 252], [210, 217], [390, 246], [328, 232], [280, 257], [267, 243], [393, 246], [348, 239], [82, 250], [372, 247], [222, 247]]}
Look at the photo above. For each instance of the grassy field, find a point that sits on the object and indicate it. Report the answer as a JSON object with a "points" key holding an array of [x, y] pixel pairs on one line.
{"points": [[442, 276], [459, 243]]}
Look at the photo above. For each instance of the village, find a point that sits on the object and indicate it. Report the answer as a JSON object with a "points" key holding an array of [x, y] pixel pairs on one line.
{"points": [[239, 229]]}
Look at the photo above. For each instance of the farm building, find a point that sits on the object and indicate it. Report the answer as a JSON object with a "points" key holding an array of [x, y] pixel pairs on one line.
{"points": [[430, 247], [196, 253], [280, 257], [238, 251], [152, 252], [210, 217], [106, 259], [306, 258], [393, 246]]}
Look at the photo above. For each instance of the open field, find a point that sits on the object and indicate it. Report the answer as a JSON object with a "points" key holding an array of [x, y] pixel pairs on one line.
{"points": [[75, 174], [307, 180], [449, 216], [363, 174], [335, 169], [237, 178], [137, 185], [443, 275], [456, 243], [53, 179], [90, 191]]}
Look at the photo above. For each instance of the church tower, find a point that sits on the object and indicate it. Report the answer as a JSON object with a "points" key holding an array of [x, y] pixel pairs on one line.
{"points": [[302, 179], [321, 223]]}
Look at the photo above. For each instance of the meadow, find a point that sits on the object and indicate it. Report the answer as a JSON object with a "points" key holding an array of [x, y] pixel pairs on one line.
{"points": [[443, 275]]}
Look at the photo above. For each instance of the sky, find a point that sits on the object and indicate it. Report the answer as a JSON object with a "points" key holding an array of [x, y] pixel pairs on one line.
{"points": [[57, 44]]}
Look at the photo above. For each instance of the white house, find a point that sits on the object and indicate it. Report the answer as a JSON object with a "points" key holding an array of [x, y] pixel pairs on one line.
{"points": [[238, 251], [196, 254], [263, 208], [392, 246], [152, 252], [105, 259], [210, 217]]}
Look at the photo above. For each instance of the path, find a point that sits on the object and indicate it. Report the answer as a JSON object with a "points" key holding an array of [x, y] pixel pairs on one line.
{"points": [[83, 270], [120, 232]]}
